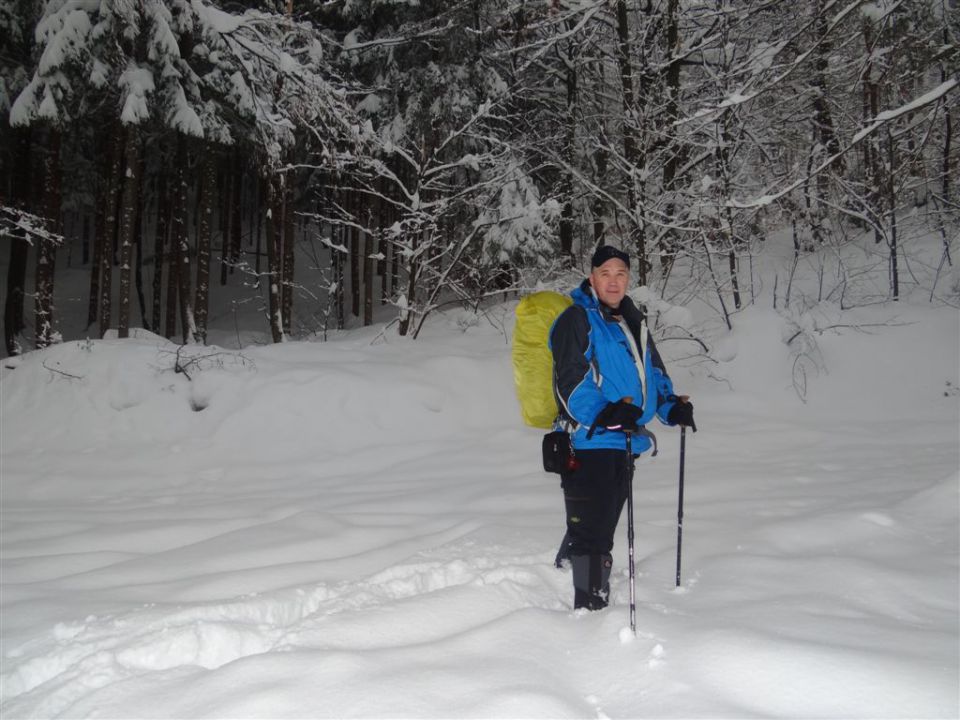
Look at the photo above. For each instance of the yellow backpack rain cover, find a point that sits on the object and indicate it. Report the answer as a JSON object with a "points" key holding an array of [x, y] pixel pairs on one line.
{"points": [[532, 359]]}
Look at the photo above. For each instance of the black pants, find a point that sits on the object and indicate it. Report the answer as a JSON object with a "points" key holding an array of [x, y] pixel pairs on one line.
{"points": [[594, 495]]}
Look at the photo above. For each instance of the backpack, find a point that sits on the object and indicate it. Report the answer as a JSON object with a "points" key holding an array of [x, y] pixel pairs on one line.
{"points": [[532, 359]]}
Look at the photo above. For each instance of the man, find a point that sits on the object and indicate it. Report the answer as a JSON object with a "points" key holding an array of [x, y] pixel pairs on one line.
{"points": [[609, 380]]}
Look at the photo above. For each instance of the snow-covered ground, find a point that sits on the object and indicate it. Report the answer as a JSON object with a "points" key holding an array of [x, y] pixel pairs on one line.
{"points": [[360, 528]]}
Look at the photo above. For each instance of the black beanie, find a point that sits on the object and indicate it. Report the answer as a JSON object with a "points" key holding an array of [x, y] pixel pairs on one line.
{"points": [[606, 252]]}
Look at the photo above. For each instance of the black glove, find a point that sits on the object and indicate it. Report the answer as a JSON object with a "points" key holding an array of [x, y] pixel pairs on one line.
{"points": [[682, 414], [620, 415]]}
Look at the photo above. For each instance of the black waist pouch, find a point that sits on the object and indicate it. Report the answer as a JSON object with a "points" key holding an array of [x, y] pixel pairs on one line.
{"points": [[558, 453]]}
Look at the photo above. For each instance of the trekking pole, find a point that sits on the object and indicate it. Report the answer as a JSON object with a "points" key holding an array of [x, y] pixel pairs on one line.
{"points": [[633, 577], [683, 444]]}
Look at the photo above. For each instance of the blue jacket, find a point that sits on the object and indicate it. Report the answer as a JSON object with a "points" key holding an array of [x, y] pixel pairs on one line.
{"points": [[593, 362]]}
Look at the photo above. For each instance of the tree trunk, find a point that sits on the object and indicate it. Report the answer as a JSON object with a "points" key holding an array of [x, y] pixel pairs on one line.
{"points": [[382, 245], [181, 240], [115, 173], [368, 267], [383, 248], [947, 136], [568, 152], [13, 322], [227, 181], [669, 241], [208, 195], [232, 216], [13, 306], [825, 136], [274, 186], [236, 224], [630, 148], [872, 168], [354, 206], [378, 221], [99, 233], [85, 238], [892, 199], [128, 215], [336, 270], [96, 264], [138, 266], [716, 281], [822, 117], [734, 282], [601, 157], [395, 215], [413, 267], [394, 271], [160, 242], [289, 232], [47, 249], [173, 278], [263, 194]]}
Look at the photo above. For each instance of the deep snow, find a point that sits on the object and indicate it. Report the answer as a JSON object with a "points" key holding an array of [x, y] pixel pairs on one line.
{"points": [[360, 528]]}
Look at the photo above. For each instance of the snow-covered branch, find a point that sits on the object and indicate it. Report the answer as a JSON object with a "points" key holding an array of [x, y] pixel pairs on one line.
{"points": [[21, 225], [879, 121]]}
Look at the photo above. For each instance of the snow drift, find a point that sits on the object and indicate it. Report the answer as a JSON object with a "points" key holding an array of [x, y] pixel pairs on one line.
{"points": [[360, 528]]}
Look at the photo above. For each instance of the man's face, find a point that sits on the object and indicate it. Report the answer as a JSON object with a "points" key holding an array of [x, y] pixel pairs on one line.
{"points": [[610, 282]]}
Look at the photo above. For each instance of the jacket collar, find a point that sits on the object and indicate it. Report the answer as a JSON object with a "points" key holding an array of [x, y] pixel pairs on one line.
{"points": [[587, 298], [584, 295]]}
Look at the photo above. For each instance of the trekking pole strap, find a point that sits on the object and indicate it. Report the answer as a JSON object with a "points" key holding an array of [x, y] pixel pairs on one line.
{"points": [[642, 430]]}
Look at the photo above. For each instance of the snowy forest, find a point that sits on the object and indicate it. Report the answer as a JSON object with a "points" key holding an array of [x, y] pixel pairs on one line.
{"points": [[319, 163], [261, 454]]}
